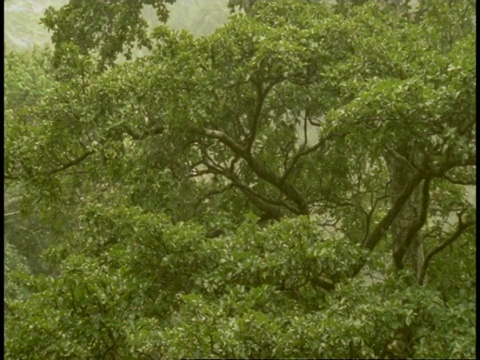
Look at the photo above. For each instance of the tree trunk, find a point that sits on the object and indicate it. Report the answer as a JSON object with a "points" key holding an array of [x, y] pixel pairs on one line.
{"points": [[400, 171], [413, 258]]}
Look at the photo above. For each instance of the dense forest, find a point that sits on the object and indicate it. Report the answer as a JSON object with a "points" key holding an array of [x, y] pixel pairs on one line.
{"points": [[239, 179]]}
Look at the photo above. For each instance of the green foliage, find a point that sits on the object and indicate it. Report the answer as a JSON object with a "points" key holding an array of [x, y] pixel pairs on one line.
{"points": [[109, 27], [172, 293], [233, 195], [15, 268], [27, 77]]}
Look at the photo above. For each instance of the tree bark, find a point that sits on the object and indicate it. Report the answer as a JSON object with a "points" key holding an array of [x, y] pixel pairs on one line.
{"points": [[400, 172]]}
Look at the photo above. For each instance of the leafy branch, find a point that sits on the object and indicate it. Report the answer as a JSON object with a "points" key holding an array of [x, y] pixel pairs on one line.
{"points": [[461, 228]]}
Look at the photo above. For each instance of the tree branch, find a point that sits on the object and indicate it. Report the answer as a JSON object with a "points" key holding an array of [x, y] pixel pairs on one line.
{"points": [[424, 172], [369, 214], [70, 163], [460, 181], [401, 158], [322, 284], [261, 95], [140, 136], [212, 193], [372, 240], [11, 213], [462, 227], [399, 254], [259, 169], [263, 203], [225, 139], [301, 153]]}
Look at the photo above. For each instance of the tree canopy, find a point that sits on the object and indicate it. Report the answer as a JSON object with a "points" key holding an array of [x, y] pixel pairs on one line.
{"points": [[292, 185]]}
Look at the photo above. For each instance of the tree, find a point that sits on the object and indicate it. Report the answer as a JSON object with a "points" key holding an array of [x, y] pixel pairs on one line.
{"points": [[111, 28], [350, 126], [405, 153], [27, 78]]}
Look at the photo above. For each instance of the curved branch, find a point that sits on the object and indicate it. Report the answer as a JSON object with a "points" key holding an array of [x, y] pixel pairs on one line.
{"points": [[422, 173], [369, 214], [301, 153], [70, 163], [462, 227], [287, 189], [263, 203], [259, 169], [372, 240], [134, 135]]}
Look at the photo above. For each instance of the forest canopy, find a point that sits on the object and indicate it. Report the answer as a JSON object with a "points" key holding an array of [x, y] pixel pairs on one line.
{"points": [[296, 183]]}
